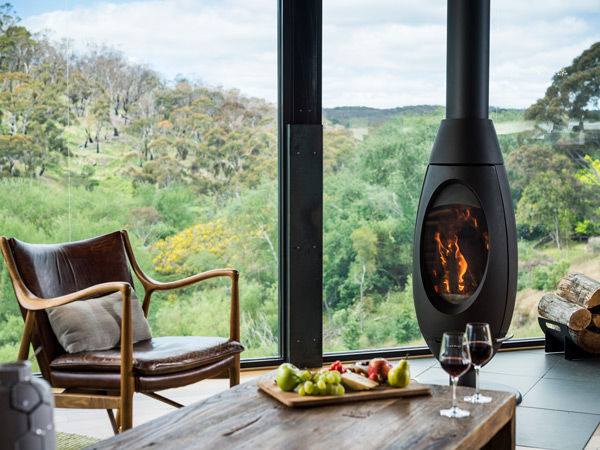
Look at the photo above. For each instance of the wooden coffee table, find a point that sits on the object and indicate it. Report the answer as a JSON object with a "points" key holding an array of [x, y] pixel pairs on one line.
{"points": [[246, 417]]}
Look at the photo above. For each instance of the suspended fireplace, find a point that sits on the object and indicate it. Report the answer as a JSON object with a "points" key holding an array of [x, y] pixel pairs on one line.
{"points": [[465, 247]]}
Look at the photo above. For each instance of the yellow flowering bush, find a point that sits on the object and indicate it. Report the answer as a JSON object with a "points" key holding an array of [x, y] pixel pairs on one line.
{"points": [[178, 253]]}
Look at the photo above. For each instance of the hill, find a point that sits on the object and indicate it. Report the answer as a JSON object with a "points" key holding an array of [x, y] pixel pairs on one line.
{"points": [[362, 116]]}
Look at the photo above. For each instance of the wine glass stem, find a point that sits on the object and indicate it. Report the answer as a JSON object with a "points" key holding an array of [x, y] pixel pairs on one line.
{"points": [[477, 381], [454, 383]]}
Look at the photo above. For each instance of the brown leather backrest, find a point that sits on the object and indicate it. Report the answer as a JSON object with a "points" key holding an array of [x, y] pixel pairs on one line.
{"points": [[52, 270]]}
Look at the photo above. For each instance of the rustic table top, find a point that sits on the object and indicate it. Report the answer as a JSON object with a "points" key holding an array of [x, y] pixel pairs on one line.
{"points": [[246, 417]]}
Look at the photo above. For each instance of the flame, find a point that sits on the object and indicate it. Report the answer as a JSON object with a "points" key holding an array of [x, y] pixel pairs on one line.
{"points": [[454, 275], [464, 216], [462, 266], [444, 252]]}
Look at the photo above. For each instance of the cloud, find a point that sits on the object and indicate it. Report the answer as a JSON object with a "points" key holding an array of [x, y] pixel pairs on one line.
{"points": [[382, 54]]}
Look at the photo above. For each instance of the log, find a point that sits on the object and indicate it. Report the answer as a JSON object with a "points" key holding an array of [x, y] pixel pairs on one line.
{"points": [[562, 311], [588, 340], [580, 289], [596, 316]]}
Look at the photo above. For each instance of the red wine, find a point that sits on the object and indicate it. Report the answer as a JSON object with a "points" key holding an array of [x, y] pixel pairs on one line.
{"points": [[481, 352], [455, 366]]}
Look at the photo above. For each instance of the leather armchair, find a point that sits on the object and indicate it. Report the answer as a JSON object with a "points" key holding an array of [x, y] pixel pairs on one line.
{"points": [[45, 276]]}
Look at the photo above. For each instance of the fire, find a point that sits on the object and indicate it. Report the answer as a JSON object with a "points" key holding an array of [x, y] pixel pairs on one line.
{"points": [[444, 252], [453, 274], [462, 266]]}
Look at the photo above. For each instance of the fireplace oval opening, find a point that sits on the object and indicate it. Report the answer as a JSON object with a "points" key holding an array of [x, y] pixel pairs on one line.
{"points": [[455, 243]]}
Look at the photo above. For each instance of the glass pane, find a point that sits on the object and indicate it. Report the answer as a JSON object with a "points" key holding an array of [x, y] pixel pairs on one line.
{"points": [[550, 143], [383, 82], [383, 97], [154, 117], [455, 243]]}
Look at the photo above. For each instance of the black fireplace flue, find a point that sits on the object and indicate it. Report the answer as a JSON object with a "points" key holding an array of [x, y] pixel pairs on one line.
{"points": [[465, 247]]}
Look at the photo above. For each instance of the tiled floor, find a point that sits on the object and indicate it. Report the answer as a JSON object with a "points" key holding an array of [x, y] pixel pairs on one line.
{"points": [[561, 399], [560, 408]]}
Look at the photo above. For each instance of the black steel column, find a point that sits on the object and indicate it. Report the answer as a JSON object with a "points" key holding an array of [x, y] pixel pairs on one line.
{"points": [[468, 59], [301, 181]]}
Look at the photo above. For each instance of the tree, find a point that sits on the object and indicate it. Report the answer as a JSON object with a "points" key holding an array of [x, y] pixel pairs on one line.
{"points": [[18, 98], [17, 49], [14, 149], [364, 242], [7, 17], [550, 202], [574, 92], [525, 162]]}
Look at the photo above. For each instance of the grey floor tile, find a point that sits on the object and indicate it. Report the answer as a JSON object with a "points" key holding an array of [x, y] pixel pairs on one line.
{"points": [[418, 366], [554, 430], [521, 383], [576, 370], [489, 381], [433, 375], [531, 363], [563, 395]]}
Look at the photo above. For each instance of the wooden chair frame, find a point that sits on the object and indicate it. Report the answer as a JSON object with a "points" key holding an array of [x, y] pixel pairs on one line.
{"points": [[123, 402]]}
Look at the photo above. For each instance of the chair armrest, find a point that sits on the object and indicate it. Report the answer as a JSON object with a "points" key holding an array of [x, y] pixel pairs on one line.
{"points": [[31, 302], [151, 285], [185, 282], [234, 321]]}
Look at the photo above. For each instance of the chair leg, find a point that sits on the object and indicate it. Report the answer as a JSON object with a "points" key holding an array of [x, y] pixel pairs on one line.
{"points": [[126, 416], [160, 398], [234, 373], [113, 422]]}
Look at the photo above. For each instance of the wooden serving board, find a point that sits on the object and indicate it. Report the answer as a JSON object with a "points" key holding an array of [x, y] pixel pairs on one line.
{"points": [[292, 399]]}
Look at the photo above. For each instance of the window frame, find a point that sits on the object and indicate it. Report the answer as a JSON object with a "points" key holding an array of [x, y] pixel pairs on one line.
{"points": [[300, 138]]}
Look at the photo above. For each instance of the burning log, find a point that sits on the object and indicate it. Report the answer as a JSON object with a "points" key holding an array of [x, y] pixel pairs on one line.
{"points": [[579, 289], [563, 311]]}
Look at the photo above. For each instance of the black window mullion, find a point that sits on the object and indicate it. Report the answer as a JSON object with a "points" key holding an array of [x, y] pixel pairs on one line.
{"points": [[300, 181]]}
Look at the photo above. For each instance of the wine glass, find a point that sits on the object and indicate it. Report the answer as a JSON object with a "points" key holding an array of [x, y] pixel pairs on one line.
{"points": [[480, 346], [456, 360]]}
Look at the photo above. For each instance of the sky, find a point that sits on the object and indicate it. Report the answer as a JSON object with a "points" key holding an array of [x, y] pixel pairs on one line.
{"points": [[377, 53]]}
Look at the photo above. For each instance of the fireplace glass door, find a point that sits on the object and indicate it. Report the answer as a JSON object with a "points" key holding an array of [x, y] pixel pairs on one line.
{"points": [[455, 243]]}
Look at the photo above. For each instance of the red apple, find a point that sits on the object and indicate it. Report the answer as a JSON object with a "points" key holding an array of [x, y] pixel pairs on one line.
{"points": [[379, 368]]}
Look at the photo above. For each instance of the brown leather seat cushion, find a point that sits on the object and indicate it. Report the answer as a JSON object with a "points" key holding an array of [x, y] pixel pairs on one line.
{"points": [[154, 356]]}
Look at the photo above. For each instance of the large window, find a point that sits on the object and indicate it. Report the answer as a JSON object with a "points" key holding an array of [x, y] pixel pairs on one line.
{"points": [[157, 117], [383, 99], [162, 119]]}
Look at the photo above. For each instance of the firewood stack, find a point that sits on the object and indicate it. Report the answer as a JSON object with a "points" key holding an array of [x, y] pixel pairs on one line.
{"points": [[576, 305]]}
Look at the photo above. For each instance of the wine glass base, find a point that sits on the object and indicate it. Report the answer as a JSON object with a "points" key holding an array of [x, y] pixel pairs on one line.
{"points": [[485, 385], [477, 398], [454, 412]]}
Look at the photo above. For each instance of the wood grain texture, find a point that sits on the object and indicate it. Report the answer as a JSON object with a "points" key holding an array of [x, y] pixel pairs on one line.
{"points": [[588, 340], [294, 400], [580, 289], [87, 401], [247, 418], [556, 308]]}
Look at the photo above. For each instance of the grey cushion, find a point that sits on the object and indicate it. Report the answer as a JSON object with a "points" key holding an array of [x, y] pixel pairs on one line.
{"points": [[95, 324]]}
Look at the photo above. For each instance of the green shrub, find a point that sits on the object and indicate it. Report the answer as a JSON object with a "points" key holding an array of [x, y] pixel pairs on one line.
{"points": [[351, 333], [546, 278]]}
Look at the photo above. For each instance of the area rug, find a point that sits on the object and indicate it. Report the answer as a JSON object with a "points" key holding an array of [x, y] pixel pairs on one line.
{"points": [[70, 441]]}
